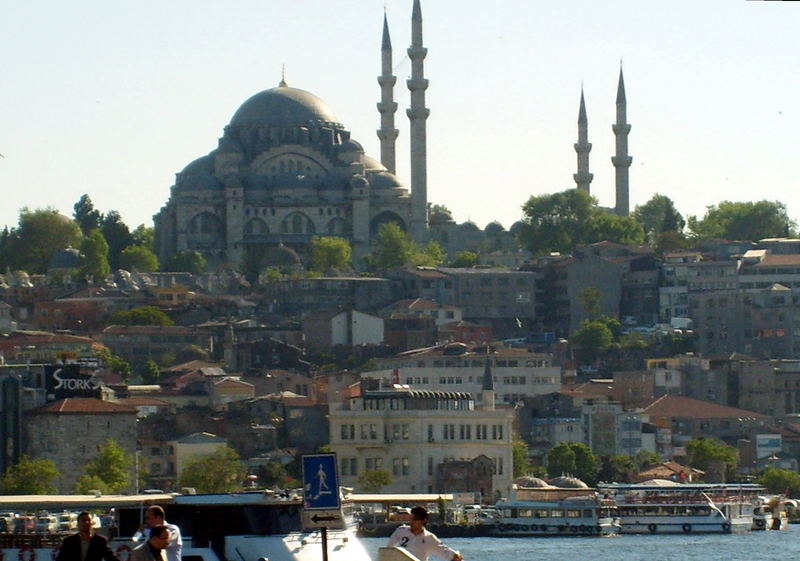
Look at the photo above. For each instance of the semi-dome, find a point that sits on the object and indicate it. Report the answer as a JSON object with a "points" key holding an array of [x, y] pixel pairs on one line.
{"points": [[283, 106], [493, 228], [199, 174], [67, 258], [530, 482]]}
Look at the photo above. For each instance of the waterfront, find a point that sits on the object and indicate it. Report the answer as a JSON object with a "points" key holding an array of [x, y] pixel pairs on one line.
{"points": [[751, 546]]}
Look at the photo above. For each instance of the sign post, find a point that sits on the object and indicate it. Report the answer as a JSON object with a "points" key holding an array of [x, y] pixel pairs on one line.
{"points": [[322, 507]]}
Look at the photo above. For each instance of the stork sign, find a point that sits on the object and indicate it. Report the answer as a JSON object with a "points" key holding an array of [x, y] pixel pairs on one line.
{"points": [[322, 507]]}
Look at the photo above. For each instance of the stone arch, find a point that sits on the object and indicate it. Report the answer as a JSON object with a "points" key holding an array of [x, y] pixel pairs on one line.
{"points": [[297, 223], [338, 227], [384, 217], [206, 224], [255, 227]]}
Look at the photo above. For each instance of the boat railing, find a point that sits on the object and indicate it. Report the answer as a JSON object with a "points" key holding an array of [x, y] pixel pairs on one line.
{"points": [[679, 499], [33, 541]]}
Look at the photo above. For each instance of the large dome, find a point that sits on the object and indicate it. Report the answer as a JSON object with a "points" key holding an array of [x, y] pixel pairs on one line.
{"points": [[283, 106]]}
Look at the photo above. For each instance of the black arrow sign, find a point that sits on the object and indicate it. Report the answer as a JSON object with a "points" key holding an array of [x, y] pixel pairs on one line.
{"points": [[317, 518]]}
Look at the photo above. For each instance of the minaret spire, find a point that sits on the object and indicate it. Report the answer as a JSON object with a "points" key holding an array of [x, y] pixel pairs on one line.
{"points": [[487, 388], [583, 178], [387, 106], [417, 115], [622, 161]]}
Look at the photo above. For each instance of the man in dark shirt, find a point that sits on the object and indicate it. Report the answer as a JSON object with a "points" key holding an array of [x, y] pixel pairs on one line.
{"points": [[153, 548], [85, 546]]}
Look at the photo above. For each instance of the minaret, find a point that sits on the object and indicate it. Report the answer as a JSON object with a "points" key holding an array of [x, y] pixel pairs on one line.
{"points": [[387, 106], [487, 388], [583, 178], [417, 115], [621, 160]]}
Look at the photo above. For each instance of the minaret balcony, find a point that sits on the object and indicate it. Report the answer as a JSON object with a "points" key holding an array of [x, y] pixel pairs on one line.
{"points": [[583, 177], [387, 106], [418, 113], [384, 81], [621, 128], [391, 134], [583, 147], [416, 84], [621, 161], [416, 53]]}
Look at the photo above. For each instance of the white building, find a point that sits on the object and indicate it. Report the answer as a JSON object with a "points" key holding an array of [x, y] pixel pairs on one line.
{"points": [[517, 373], [410, 432]]}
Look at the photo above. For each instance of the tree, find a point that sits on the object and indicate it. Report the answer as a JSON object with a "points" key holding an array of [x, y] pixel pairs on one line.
{"points": [[393, 247], [432, 255], [219, 472], [617, 467], [748, 221], [658, 216], [560, 221], [778, 481], [519, 456], [144, 236], [372, 481], [189, 353], [591, 299], [143, 315], [591, 339], [644, 459], [713, 455], [85, 215], [138, 257], [95, 256], [38, 236], [113, 363], [189, 261], [31, 476], [274, 474], [329, 252], [465, 259], [151, 372], [117, 235], [573, 458], [112, 466]]}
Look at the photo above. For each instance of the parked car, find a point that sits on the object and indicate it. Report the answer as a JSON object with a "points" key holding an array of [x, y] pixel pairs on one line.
{"points": [[25, 524], [67, 521], [47, 524]]}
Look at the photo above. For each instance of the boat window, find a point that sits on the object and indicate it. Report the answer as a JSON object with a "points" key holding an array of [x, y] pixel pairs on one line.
{"points": [[541, 514], [573, 513], [557, 513], [526, 512]]}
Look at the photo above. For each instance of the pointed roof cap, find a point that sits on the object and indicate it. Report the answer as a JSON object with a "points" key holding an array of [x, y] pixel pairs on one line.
{"points": [[416, 13], [620, 87], [582, 111], [386, 44]]}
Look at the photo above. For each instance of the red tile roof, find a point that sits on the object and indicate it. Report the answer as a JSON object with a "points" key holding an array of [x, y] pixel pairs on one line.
{"points": [[84, 406]]}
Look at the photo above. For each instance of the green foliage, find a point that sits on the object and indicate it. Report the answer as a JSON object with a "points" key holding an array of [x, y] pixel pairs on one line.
{"points": [[117, 235], [38, 236], [744, 221], [86, 483], [393, 247], [191, 352], [112, 466], [145, 236], [591, 299], [95, 256], [220, 472], [644, 459], [114, 363], [274, 474], [777, 481], [711, 454], [573, 458], [143, 315], [372, 481], [31, 476], [432, 255], [189, 261], [330, 252], [85, 215], [658, 216], [138, 257], [519, 456], [271, 275], [151, 372], [617, 468], [465, 259], [591, 339], [560, 221]]}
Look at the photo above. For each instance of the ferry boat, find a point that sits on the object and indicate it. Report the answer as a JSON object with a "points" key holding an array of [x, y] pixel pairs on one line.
{"points": [[665, 507], [552, 511], [248, 526]]}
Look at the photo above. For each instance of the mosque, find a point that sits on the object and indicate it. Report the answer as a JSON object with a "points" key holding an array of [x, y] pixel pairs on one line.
{"points": [[285, 170]]}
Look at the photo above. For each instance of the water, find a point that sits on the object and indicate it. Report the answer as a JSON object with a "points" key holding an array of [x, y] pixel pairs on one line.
{"points": [[751, 546]]}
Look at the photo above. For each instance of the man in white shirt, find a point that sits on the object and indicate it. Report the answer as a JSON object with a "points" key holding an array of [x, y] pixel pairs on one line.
{"points": [[154, 516], [419, 542]]}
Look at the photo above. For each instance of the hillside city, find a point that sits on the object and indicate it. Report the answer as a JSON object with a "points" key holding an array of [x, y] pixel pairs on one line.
{"points": [[446, 377]]}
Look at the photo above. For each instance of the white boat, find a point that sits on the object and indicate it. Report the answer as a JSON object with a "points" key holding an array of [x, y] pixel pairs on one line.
{"points": [[249, 526], [770, 513], [553, 511], [666, 507]]}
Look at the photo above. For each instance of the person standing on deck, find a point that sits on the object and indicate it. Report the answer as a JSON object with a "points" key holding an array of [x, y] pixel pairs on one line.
{"points": [[419, 542]]}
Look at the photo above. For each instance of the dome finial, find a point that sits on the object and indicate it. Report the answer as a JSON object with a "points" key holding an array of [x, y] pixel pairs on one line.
{"points": [[283, 83]]}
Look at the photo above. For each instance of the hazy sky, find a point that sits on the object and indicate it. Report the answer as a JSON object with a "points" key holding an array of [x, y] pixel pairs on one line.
{"points": [[113, 98]]}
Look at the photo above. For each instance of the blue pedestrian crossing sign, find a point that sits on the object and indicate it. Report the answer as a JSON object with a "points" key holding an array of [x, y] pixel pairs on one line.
{"points": [[320, 482]]}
